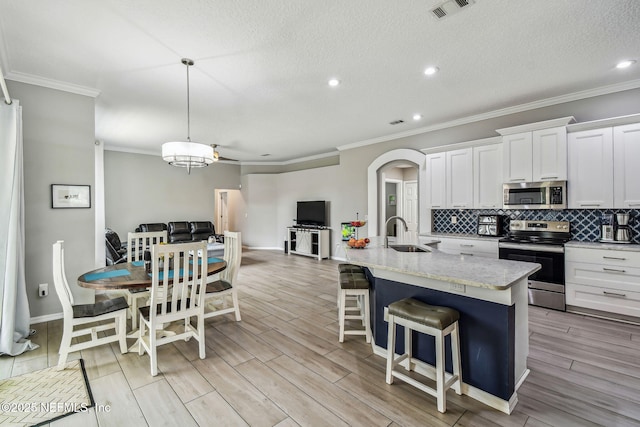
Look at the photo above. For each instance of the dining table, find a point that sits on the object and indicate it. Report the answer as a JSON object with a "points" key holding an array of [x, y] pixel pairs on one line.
{"points": [[134, 276]]}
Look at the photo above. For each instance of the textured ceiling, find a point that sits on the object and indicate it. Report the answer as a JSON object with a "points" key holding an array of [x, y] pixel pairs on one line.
{"points": [[259, 84]]}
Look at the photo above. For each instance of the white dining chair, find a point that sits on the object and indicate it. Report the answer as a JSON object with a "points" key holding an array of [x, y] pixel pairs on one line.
{"points": [[137, 243], [83, 314], [178, 279], [222, 293]]}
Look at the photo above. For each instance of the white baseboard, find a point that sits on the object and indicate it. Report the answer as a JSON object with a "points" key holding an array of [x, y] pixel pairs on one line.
{"points": [[46, 318], [267, 248]]}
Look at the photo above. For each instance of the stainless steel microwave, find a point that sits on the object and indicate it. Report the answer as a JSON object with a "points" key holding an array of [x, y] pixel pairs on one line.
{"points": [[535, 195]]}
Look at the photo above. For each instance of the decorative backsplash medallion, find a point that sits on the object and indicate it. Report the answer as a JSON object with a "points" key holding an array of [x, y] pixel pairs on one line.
{"points": [[585, 223]]}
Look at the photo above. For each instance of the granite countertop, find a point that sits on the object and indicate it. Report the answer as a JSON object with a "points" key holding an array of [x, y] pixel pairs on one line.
{"points": [[488, 273], [461, 236], [632, 247]]}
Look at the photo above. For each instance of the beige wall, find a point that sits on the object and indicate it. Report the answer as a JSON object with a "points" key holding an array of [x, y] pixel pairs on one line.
{"points": [[141, 188], [58, 130]]}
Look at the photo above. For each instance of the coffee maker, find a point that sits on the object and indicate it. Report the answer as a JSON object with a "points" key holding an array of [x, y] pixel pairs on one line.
{"points": [[614, 228], [623, 231]]}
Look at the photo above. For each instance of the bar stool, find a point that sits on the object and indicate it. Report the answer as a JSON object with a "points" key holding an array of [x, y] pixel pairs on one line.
{"points": [[433, 320], [353, 283]]}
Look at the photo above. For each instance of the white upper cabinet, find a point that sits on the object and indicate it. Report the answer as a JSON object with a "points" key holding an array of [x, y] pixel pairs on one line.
{"points": [[626, 166], [590, 183], [459, 181], [436, 178], [518, 150], [604, 163], [487, 177], [535, 152], [549, 154]]}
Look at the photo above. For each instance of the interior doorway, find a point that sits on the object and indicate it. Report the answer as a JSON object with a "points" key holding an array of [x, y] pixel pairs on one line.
{"points": [[400, 197], [225, 210], [377, 195]]}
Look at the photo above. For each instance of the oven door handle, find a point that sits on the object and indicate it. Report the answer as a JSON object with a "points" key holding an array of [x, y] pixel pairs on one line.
{"points": [[531, 247]]}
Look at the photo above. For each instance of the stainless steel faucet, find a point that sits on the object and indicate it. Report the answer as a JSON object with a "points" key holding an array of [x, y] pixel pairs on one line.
{"points": [[386, 237]]}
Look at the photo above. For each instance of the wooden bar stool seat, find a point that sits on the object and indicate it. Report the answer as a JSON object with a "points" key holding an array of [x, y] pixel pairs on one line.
{"points": [[433, 320], [353, 286]]}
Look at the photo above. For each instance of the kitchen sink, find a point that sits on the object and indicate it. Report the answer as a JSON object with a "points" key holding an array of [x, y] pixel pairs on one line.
{"points": [[408, 248]]}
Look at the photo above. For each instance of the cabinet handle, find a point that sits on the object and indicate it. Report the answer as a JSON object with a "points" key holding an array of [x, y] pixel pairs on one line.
{"points": [[465, 245], [548, 177], [615, 270], [459, 206], [589, 204], [613, 257], [517, 179], [467, 254], [435, 206], [614, 294], [487, 206], [634, 204]]}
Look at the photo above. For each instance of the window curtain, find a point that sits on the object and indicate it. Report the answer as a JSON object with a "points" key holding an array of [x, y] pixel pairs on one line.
{"points": [[14, 314]]}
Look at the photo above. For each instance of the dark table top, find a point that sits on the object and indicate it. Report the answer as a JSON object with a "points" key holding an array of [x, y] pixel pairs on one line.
{"points": [[137, 277]]}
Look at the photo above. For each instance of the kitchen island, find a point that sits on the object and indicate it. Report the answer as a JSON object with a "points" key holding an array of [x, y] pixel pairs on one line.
{"points": [[491, 296]]}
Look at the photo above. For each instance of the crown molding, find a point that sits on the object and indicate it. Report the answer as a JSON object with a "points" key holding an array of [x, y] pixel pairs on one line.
{"points": [[52, 84], [574, 96], [293, 161]]}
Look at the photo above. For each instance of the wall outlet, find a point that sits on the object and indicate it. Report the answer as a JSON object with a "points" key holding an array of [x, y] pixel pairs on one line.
{"points": [[43, 289], [454, 219], [457, 287]]}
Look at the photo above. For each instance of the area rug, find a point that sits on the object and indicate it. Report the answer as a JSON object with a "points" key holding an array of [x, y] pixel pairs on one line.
{"points": [[43, 396]]}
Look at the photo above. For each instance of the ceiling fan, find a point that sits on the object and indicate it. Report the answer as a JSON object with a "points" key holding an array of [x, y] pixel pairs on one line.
{"points": [[217, 156]]}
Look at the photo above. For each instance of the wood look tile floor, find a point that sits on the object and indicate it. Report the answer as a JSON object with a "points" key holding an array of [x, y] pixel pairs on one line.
{"points": [[282, 365]]}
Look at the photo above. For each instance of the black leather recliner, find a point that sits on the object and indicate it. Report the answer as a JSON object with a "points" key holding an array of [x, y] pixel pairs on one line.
{"points": [[202, 230], [154, 226], [116, 251], [179, 231]]}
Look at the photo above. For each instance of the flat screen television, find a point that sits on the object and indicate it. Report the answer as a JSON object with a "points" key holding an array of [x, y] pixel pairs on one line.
{"points": [[312, 213]]}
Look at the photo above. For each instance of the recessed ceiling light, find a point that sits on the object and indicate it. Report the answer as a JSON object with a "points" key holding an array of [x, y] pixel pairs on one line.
{"points": [[626, 64], [334, 82], [417, 116], [430, 71]]}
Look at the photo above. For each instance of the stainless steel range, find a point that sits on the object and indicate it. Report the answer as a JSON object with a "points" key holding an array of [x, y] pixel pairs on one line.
{"points": [[541, 242]]}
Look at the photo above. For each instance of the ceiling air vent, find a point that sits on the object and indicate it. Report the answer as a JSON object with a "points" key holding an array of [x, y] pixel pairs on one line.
{"points": [[396, 122], [449, 8]]}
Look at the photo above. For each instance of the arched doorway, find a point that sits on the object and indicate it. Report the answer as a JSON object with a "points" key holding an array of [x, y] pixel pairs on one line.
{"points": [[375, 178]]}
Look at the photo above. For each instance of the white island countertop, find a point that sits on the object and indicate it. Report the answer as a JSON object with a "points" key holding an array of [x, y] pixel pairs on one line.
{"points": [[473, 271]]}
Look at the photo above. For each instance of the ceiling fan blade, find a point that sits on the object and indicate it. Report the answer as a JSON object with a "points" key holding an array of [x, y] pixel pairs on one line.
{"points": [[227, 159]]}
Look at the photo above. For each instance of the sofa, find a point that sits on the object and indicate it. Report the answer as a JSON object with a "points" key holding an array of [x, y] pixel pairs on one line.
{"points": [[177, 232], [184, 231]]}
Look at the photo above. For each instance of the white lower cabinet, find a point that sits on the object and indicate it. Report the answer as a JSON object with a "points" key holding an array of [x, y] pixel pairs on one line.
{"points": [[468, 247], [605, 280]]}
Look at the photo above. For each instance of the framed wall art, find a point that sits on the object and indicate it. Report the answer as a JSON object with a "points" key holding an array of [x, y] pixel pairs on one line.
{"points": [[65, 196]]}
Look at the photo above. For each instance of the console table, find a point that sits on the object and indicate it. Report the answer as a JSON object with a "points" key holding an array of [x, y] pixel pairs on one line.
{"points": [[313, 242]]}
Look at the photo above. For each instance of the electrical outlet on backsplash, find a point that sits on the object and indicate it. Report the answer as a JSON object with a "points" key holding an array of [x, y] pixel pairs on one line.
{"points": [[585, 223]]}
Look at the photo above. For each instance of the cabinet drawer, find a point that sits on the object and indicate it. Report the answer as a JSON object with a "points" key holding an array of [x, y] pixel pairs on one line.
{"points": [[604, 299], [603, 256], [468, 245], [603, 275], [457, 251]]}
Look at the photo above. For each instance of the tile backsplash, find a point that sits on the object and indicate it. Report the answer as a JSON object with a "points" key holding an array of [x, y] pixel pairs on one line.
{"points": [[585, 223]]}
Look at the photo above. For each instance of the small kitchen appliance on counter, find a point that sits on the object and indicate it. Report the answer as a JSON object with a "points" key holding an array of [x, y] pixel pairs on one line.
{"points": [[623, 233], [489, 225], [607, 227], [614, 228]]}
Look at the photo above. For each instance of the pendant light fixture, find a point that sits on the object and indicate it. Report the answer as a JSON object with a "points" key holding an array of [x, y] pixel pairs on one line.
{"points": [[187, 154]]}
